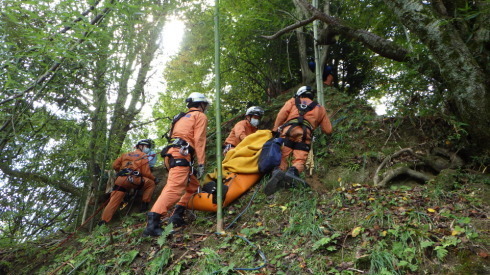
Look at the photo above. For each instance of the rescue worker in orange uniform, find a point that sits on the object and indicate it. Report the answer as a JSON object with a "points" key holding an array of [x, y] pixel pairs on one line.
{"points": [[244, 128], [133, 172], [328, 76], [296, 121], [187, 138]]}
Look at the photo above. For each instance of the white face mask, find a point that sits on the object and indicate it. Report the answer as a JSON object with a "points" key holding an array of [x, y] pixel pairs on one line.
{"points": [[254, 122], [146, 150]]}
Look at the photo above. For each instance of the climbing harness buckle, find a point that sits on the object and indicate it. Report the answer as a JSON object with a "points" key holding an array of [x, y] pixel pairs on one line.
{"points": [[184, 150]]}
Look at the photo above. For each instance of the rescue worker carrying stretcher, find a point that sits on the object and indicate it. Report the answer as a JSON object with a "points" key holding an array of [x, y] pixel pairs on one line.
{"points": [[244, 128], [295, 122], [187, 139], [133, 172]]}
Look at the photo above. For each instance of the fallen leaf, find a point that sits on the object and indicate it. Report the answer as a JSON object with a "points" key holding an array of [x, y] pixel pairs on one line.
{"points": [[483, 254], [356, 231], [431, 210]]}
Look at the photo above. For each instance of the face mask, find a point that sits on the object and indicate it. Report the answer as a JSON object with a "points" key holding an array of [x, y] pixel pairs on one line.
{"points": [[146, 150], [254, 122]]}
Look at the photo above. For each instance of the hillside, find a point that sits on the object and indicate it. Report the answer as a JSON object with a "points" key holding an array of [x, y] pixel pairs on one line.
{"points": [[343, 224]]}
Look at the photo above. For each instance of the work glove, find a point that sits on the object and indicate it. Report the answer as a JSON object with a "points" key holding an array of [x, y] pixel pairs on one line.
{"points": [[276, 134], [200, 171]]}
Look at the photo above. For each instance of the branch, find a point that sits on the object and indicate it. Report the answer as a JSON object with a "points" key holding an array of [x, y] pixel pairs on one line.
{"points": [[51, 221], [60, 185], [85, 13], [290, 28], [148, 122], [377, 44], [54, 67]]}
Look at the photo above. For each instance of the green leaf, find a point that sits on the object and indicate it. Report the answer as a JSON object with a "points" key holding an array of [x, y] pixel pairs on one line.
{"points": [[166, 232], [425, 244], [440, 252], [403, 263]]}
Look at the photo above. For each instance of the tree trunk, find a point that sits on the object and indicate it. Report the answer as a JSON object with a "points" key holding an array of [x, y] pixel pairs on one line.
{"points": [[467, 84], [307, 76]]}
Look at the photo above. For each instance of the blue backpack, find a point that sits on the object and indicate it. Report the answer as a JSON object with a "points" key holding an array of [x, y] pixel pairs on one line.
{"points": [[270, 156]]}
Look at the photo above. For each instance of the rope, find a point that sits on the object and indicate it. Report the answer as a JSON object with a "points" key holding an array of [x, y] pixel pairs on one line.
{"points": [[78, 228], [259, 251], [244, 210]]}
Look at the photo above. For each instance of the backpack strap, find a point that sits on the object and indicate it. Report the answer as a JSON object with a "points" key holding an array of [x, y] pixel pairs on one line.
{"points": [[300, 120], [168, 134]]}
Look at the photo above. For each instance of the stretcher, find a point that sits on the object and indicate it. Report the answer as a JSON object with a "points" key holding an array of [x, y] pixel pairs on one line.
{"points": [[240, 172], [237, 184]]}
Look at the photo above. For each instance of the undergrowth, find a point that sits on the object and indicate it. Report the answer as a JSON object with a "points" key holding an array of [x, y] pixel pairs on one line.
{"points": [[341, 226]]}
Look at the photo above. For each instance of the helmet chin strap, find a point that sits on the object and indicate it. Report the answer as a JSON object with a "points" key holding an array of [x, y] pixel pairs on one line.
{"points": [[203, 107]]}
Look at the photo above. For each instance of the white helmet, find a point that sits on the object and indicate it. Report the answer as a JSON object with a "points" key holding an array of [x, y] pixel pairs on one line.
{"points": [[255, 111], [304, 91], [196, 97]]}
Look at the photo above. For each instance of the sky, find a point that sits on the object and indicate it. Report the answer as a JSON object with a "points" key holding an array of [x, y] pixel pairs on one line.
{"points": [[172, 35], [171, 39]]}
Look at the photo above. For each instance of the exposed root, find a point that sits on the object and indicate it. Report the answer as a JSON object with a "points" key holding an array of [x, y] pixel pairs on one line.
{"points": [[391, 174], [438, 160]]}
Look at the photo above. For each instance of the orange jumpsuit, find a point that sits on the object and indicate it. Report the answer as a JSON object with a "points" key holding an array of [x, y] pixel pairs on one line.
{"points": [[146, 181], [329, 80], [240, 131], [316, 117], [181, 184]]}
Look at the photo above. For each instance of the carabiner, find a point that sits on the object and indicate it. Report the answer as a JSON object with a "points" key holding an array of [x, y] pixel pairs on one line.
{"points": [[184, 150]]}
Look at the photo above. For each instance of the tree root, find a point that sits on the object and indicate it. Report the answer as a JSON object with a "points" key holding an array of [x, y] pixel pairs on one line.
{"points": [[438, 160], [391, 174]]}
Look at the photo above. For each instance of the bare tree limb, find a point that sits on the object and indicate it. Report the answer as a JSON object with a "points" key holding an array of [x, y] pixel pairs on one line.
{"points": [[290, 28], [60, 185], [377, 44]]}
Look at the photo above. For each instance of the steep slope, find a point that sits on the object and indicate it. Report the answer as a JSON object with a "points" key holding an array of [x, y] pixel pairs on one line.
{"points": [[341, 225]]}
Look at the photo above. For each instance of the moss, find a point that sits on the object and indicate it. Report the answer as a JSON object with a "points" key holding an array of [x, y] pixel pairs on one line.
{"points": [[469, 263]]}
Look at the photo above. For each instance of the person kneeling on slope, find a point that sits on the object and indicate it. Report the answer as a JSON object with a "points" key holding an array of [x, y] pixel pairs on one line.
{"points": [[133, 172], [244, 128], [187, 138], [295, 122]]}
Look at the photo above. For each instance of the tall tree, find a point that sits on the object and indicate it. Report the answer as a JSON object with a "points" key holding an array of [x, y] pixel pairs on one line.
{"points": [[74, 80], [455, 51]]}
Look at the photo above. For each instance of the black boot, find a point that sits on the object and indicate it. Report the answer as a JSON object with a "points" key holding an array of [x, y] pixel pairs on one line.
{"points": [[177, 218], [144, 207], [292, 178], [153, 225], [275, 182]]}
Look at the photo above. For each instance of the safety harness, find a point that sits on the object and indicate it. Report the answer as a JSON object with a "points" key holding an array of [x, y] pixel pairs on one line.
{"points": [[129, 173], [184, 146], [299, 121]]}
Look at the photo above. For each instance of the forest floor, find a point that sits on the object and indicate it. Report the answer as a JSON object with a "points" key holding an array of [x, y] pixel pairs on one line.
{"points": [[343, 224]]}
